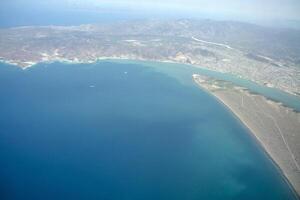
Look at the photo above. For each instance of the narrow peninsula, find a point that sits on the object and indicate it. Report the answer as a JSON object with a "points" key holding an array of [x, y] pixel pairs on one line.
{"points": [[275, 126]]}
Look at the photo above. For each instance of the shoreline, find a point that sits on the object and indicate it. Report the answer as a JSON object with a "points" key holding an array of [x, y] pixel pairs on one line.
{"points": [[257, 140], [281, 96], [29, 64], [232, 109], [290, 175]]}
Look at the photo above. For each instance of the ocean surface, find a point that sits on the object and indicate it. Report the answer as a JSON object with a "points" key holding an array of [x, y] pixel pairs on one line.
{"points": [[183, 72], [124, 131]]}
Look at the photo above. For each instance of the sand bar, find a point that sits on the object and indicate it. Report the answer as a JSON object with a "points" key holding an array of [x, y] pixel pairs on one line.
{"points": [[276, 127]]}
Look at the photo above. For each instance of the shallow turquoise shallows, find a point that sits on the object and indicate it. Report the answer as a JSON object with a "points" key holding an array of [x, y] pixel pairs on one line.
{"points": [[124, 131]]}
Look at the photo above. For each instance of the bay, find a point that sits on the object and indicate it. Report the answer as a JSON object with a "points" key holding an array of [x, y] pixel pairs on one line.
{"points": [[124, 131]]}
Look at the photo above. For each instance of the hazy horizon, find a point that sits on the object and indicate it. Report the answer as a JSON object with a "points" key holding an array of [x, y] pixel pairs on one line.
{"points": [[270, 12]]}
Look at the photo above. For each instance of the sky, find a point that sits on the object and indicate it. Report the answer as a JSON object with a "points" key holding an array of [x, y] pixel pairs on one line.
{"points": [[215, 9]]}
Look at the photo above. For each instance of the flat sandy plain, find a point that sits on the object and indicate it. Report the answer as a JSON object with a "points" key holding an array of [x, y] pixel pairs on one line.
{"points": [[275, 126]]}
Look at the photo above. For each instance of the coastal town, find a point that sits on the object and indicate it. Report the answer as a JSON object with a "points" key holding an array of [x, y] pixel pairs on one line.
{"points": [[242, 49]]}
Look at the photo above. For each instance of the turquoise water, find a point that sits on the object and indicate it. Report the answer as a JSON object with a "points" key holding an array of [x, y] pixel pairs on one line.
{"points": [[183, 73], [124, 131]]}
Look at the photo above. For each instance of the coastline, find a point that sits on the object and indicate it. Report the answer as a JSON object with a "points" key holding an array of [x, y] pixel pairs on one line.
{"points": [[287, 99], [28, 64], [290, 172], [259, 142], [235, 113]]}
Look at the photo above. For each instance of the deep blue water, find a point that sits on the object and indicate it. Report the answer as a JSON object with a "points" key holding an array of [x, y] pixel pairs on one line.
{"points": [[123, 131], [60, 17], [37, 15]]}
